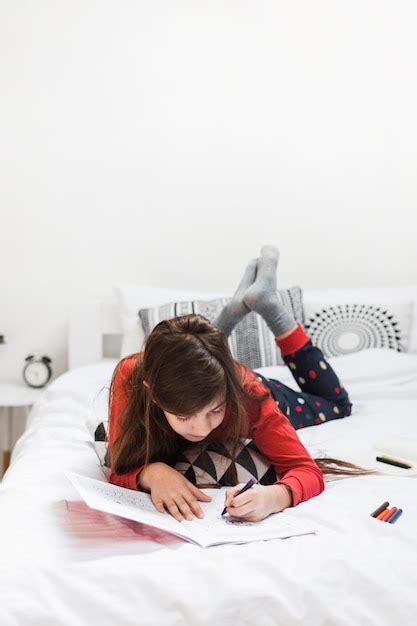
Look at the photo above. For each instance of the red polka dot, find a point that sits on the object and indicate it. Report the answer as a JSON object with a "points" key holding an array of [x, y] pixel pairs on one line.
{"points": [[317, 420], [317, 403], [300, 425], [298, 409], [312, 374], [337, 390]]}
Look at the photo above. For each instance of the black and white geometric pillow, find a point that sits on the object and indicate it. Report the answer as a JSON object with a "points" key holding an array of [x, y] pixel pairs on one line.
{"points": [[213, 466], [100, 443], [251, 342], [345, 328]]}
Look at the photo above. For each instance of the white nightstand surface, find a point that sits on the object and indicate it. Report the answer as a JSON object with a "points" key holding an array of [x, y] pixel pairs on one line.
{"points": [[14, 393]]}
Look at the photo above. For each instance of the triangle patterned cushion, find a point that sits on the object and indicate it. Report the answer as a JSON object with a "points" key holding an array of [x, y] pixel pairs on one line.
{"points": [[211, 467]]}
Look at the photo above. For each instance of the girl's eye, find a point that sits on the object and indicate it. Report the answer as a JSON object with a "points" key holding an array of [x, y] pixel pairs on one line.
{"points": [[184, 419]]}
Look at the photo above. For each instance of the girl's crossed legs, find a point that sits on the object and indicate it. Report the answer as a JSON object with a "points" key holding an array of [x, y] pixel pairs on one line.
{"points": [[322, 397]]}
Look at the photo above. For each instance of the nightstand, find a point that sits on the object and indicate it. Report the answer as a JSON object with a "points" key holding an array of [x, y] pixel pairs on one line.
{"points": [[15, 394]]}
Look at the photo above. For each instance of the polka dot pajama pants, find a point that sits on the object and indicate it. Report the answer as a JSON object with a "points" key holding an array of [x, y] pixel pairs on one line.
{"points": [[322, 397]]}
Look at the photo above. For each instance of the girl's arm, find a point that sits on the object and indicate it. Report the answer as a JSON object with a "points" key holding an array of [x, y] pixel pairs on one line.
{"points": [[117, 405], [278, 441]]}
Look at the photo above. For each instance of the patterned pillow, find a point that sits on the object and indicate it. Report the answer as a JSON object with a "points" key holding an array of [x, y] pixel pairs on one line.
{"points": [[251, 342], [352, 320], [213, 466]]}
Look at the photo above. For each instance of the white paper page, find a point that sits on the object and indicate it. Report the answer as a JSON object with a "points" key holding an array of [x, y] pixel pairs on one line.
{"points": [[211, 530], [133, 505], [214, 529]]}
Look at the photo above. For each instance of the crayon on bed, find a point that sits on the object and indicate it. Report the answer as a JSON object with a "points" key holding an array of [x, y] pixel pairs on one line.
{"points": [[391, 457], [382, 515], [392, 512], [385, 515], [388, 461], [394, 518], [380, 509]]}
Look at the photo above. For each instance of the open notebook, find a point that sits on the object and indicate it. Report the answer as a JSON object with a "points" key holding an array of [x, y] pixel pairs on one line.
{"points": [[212, 530]]}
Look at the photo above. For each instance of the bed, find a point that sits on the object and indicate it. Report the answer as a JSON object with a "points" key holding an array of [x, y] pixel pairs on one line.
{"points": [[64, 564]]}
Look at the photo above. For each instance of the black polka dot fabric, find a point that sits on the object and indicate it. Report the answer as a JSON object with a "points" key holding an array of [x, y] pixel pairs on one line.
{"points": [[322, 397]]}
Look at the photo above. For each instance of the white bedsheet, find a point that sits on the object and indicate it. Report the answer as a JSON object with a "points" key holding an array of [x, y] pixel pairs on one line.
{"points": [[356, 570]]}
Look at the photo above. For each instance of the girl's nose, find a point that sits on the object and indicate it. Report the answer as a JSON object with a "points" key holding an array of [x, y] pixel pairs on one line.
{"points": [[202, 429]]}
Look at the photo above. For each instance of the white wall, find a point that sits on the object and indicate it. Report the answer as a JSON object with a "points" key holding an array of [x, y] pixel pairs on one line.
{"points": [[164, 142]]}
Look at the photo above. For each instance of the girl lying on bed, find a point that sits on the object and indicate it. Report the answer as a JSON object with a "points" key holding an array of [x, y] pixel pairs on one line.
{"points": [[186, 395]]}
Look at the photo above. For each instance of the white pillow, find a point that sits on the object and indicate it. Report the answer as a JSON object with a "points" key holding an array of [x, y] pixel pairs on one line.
{"points": [[347, 320], [131, 298]]}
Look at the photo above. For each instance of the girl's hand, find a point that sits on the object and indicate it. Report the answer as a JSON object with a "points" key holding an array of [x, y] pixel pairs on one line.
{"points": [[169, 489], [257, 502]]}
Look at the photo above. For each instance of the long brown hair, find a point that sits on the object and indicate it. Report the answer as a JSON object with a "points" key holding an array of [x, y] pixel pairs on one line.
{"points": [[186, 364]]}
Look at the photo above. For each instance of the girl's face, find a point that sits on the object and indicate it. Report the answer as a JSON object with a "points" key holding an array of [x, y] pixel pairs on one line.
{"points": [[198, 426]]}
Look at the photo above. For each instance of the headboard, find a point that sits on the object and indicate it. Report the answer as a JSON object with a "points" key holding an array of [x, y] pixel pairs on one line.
{"points": [[95, 332]]}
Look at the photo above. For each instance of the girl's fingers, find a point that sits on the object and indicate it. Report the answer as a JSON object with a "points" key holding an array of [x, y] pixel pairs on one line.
{"points": [[241, 511], [200, 495], [244, 498], [181, 508], [174, 510], [159, 505], [185, 510], [193, 504], [230, 493]]}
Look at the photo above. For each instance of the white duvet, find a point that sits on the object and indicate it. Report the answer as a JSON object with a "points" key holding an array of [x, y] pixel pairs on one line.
{"points": [[354, 571]]}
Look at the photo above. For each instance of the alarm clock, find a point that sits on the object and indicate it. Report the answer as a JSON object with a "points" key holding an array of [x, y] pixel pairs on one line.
{"points": [[37, 371]]}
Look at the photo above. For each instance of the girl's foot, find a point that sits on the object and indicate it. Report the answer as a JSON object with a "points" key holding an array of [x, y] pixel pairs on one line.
{"points": [[262, 296], [236, 309]]}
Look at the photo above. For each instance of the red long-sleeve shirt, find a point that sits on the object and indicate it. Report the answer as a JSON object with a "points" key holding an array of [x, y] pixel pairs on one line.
{"points": [[271, 431]]}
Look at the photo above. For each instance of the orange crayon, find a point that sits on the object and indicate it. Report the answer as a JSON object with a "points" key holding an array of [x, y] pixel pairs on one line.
{"points": [[384, 514]]}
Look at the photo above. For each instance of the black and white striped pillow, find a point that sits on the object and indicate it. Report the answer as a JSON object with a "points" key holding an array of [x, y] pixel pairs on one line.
{"points": [[251, 342]]}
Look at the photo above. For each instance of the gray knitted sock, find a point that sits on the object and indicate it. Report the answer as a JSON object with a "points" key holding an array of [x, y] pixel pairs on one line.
{"points": [[262, 296], [235, 310]]}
